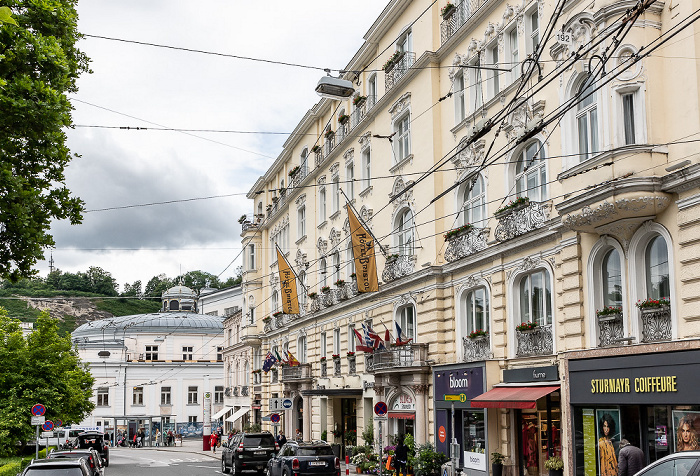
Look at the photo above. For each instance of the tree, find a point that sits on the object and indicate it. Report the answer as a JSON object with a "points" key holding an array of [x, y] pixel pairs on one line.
{"points": [[39, 65], [41, 368], [133, 289], [198, 280], [101, 281], [156, 285]]}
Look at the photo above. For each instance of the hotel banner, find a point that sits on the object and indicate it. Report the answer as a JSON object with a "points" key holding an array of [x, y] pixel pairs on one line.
{"points": [[288, 284], [363, 253]]}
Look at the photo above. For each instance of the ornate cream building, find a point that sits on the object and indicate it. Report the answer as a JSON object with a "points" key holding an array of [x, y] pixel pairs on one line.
{"points": [[557, 107]]}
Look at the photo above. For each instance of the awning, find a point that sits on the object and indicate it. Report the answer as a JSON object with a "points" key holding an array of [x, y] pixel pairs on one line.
{"points": [[221, 413], [238, 414], [512, 397], [402, 415]]}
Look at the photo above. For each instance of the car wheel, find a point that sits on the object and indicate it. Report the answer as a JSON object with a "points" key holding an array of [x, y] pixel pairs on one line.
{"points": [[234, 470], [266, 471], [286, 472], [106, 462], [224, 468]]}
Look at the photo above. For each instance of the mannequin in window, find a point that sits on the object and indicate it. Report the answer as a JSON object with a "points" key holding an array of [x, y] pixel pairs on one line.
{"points": [[608, 460], [530, 447]]}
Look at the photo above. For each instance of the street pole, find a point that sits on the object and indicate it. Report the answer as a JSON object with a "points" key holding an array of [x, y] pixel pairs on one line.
{"points": [[36, 440], [381, 444]]}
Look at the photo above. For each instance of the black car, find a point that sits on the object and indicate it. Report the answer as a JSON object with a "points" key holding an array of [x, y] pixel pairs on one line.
{"points": [[247, 452], [52, 467], [298, 458], [96, 441], [91, 457]]}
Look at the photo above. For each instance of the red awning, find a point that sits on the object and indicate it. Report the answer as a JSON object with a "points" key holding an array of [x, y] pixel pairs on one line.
{"points": [[402, 415], [512, 397]]}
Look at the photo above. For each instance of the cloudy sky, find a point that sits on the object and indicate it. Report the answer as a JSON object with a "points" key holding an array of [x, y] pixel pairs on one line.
{"points": [[144, 86]]}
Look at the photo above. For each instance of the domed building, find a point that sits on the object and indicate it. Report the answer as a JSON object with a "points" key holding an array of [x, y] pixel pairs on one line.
{"points": [[158, 370]]}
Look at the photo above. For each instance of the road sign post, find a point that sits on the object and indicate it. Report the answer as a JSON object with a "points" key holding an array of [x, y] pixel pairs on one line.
{"points": [[38, 419]]}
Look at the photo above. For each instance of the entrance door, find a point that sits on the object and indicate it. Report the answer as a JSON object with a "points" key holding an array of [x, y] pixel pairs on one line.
{"points": [[299, 405], [349, 410]]}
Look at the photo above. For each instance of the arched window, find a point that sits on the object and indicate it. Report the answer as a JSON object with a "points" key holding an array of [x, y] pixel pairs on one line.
{"points": [[587, 120], [531, 173], [237, 378], [535, 298], [404, 232], [611, 268], [275, 300], [174, 305], [656, 272], [474, 203], [324, 272], [260, 208], [304, 162], [301, 349], [476, 310], [406, 318], [246, 373]]}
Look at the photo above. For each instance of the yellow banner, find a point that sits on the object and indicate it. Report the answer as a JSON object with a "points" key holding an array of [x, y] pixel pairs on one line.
{"points": [[288, 284], [363, 253]]}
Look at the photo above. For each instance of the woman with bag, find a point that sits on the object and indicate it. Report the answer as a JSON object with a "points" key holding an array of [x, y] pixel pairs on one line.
{"points": [[401, 456]]}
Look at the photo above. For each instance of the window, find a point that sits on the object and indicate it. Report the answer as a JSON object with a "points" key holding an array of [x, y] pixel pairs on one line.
{"points": [[628, 117], [534, 30], [192, 395], [304, 163], [656, 269], [612, 279], [301, 222], [475, 89], [281, 239], [336, 341], [301, 349], [514, 53], [137, 396], [371, 91], [220, 354], [246, 373], [151, 352], [336, 194], [405, 42], [530, 173], [350, 260], [476, 310], [187, 353], [322, 204], [324, 272], [251, 256], [351, 338], [336, 267], [260, 208], [402, 128], [251, 316], [349, 179], [406, 318], [366, 168], [103, 397], [165, 395], [274, 301], [323, 349], [219, 394], [192, 419], [587, 120], [474, 208], [302, 291], [458, 95], [535, 294], [404, 232], [494, 83]]}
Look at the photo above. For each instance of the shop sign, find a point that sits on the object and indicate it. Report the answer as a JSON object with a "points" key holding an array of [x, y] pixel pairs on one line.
{"points": [[466, 383], [404, 403], [475, 460], [531, 374]]}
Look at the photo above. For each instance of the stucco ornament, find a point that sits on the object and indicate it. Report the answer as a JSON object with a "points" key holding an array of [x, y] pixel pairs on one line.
{"points": [[403, 103], [468, 155], [300, 259], [406, 199], [334, 237], [515, 123], [527, 264], [322, 246]]}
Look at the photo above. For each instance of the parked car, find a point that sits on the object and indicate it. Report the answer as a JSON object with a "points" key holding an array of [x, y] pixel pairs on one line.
{"points": [[248, 452], [304, 458], [64, 467], [92, 457], [96, 441], [683, 463]]}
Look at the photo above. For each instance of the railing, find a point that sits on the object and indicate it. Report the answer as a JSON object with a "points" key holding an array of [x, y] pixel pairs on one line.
{"points": [[342, 132], [361, 110], [459, 16], [324, 369], [656, 324], [409, 355], [352, 365], [520, 220], [537, 341], [466, 243], [399, 69], [319, 158], [245, 390], [476, 349], [336, 367], [610, 330], [395, 268], [298, 372], [329, 144], [299, 176]]}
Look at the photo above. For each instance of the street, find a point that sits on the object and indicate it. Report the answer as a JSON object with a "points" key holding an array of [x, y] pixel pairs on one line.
{"points": [[172, 461]]}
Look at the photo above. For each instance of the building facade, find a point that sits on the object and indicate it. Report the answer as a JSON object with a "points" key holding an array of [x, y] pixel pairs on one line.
{"points": [[528, 171]]}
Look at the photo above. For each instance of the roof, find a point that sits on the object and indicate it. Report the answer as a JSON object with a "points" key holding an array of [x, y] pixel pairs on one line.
{"points": [[174, 322]]}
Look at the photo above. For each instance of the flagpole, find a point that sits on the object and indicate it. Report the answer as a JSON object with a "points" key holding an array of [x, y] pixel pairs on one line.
{"points": [[357, 214], [277, 247]]}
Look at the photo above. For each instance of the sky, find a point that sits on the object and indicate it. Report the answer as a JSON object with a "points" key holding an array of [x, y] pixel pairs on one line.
{"points": [[143, 86]]}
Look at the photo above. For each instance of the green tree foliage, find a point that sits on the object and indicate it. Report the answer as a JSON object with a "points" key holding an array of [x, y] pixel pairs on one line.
{"points": [[39, 65], [156, 285], [41, 368], [133, 290]]}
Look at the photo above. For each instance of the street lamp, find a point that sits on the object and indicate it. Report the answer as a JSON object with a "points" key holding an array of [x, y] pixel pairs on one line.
{"points": [[334, 88]]}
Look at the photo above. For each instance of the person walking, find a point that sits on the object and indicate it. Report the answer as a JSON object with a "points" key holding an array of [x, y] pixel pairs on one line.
{"points": [[298, 436], [630, 460], [212, 441], [281, 439], [157, 437], [401, 456]]}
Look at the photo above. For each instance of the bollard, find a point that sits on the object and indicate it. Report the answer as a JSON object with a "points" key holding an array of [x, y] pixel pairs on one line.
{"points": [[347, 465]]}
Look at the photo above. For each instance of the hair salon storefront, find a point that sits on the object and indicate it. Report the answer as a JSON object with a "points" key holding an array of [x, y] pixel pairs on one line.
{"points": [[650, 399]]}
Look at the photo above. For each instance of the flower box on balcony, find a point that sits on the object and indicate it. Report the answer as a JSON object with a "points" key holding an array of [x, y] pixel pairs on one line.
{"points": [[609, 313], [343, 118], [479, 333], [447, 11], [336, 356], [391, 62], [316, 149], [359, 100], [526, 326], [353, 276], [340, 283], [329, 134], [294, 171], [277, 313], [391, 258], [351, 354], [312, 295], [323, 359], [459, 231], [257, 371], [514, 205], [325, 289], [653, 303], [267, 319]]}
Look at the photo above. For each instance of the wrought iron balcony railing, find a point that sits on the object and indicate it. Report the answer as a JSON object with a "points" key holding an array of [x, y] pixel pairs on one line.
{"points": [[520, 220], [324, 369], [352, 365], [336, 368], [458, 17], [399, 69], [398, 267], [342, 132], [476, 349], [298, 372], [245, 390], [361, 110], [656, 324], [318, 158], [404, 356], [329, 144], [537, 341], [466, 243], [610, 330]]}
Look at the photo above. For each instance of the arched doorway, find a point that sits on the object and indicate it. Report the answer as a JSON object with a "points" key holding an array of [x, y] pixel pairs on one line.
{"points": [[402, 415], [298, 417]]}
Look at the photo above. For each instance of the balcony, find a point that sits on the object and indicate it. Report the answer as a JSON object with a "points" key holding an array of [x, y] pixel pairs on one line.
{"points": [[459, 16], [610, 330], [656, 324], [466, 243], [398, 267], [521, 219], [318, 157], [342, 133], [245, 391], [329, 144], [405, 358], [476, 349], [299, 176], [399, 69], [298, 373], [324, 369], [361, 110], [537, 341]]}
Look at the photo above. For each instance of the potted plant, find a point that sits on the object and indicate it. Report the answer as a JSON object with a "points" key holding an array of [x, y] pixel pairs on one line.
{"points": [[609, 313], [343, 118], [458, 231], [428, 460], [267, 319], [312, 295], [294, 171], [336, 356], [478, 333], [526, 326], [653, 303], [391, 258], [358, 100], [325, 289], [497, 463], [340, 283], [316, 149], [517, 204], [323, 359], [555, 465], [447, 10], [242, 219], [351, 354], [353, 276], [329, 134], [395, 58], [324, 435], [277, 313]]}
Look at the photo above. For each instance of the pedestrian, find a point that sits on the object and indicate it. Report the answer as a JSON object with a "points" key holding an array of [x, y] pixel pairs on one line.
{"points": [[212, 441], [134, 441], [401, 456], [281, 439], [631, 459], [298, 436], [157, 437], [230, 436], [170, 438]]}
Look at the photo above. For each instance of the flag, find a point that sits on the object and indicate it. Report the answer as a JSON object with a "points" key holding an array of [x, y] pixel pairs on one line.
{"points": [[292, 360], [279, 358], [400, 341], [387, 336], [361, 346], [288, 283], [363, 253], [269, 362], [373, 338]]}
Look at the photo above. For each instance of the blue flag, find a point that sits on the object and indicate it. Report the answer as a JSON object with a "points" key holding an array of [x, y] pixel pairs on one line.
{"points": [[269, 362]]}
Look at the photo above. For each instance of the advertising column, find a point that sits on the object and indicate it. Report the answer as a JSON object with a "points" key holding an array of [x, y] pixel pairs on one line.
{"points": [[206, 434]]}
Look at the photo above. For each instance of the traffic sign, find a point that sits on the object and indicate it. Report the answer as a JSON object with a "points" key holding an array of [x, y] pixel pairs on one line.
{"points": [[47, 434], [38, 420], [380, 408], [275, 418], [275, 404], [59, 423], [38, 409], [287, 403], [381, 418], [456, 398], [47, 426]]}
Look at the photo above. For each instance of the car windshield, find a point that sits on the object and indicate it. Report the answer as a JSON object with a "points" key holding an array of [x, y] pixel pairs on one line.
{"points": [[258, 440], [318, 451], [38, 471]]}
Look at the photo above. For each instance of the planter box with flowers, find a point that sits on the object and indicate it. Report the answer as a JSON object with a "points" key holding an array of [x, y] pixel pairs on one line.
{"points": [[257, 371], [312, 295], [294, 171], [459, 231], [336, 356], [514, 205], [447, 11], [477, 334], [351, 354], [610, 327], [353, 276], [392, 258], [343, 118], [526, 326], [555, 465], [653, 303], [340, 283], [329, 134], [323, 359], [277, 313], [316, 149], [325, 289], [609, 313], [267, 319], [359, 100], [391, 62], [656, 319]]}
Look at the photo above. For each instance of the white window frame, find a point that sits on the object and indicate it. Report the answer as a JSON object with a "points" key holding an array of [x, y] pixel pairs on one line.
{"points": [[302, 349], [533, 34], [324, 344], [371, 91], [402, 139], [476, 91], [547, 281], [592, 131], [336, 266], [335, 192], [187, 352], [323, 271], [304, 162], [166, 395], [218, 394], [151, 352], [274, 301], [405, 236], [251, 256], [636, 92], [103, 396], [493, 59], [192, 395], [595, 289], [302, 291], [322, 204], [336, 341], [469, 322], [350, 267], [402, 317], [351, 338], [350, 179], [468, 202], [458, 90], [366, 168], [301, 222], [513, 52], [535, 168]]}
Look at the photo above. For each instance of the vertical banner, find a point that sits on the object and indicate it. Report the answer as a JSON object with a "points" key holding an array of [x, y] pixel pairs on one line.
{"points": [[206, 418], [288, 284], [363, 253], [589, 445]]}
